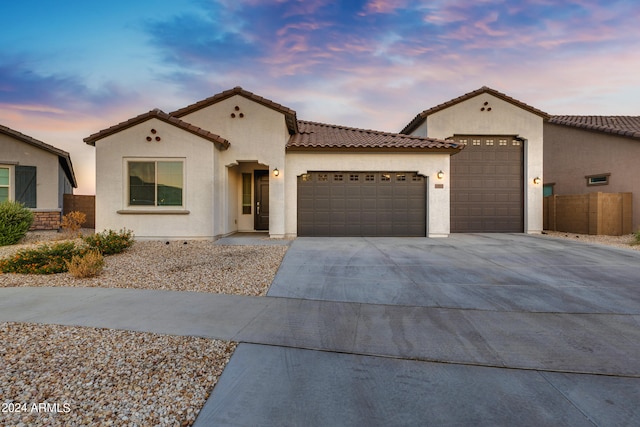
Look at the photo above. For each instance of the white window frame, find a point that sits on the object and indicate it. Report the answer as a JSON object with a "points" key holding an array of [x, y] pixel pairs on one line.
{"points": [[127, 188]]}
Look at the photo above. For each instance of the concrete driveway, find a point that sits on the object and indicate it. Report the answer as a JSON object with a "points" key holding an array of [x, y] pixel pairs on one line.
{"points": [[507, 330]]}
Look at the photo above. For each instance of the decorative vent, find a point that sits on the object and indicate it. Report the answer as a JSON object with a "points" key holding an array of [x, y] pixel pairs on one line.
{"points": [[154, 136]]}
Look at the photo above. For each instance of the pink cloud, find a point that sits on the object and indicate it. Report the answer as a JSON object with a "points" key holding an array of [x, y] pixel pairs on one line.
{"points": [[383, 6]]}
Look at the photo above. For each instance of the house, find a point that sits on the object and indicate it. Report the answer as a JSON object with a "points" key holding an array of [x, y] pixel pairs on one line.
{"points": [[239, 162], [35, 174], [496, 180], [588, 154]]}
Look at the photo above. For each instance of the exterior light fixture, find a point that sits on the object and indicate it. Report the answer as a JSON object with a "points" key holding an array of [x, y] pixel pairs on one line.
{"points": [[440, 175], [276, 172], [536, 180]]}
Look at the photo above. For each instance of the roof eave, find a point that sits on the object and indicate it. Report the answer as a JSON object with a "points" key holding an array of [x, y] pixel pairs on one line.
{"points": [[421, 117], [220, 142], [452, 150], [290, 115]]}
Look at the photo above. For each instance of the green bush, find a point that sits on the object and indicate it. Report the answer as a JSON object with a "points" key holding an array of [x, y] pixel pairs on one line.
{"points": [[44, 259], [15, 221], [110, 242], [636, 237]]}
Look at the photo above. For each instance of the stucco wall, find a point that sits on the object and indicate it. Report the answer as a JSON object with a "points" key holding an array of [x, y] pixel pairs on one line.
{"points": [[46, 174], [259, 136], [570, 154], [194, 221], [467, 118], [424, 164]]}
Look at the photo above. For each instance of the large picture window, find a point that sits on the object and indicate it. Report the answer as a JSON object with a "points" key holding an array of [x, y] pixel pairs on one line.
{"points": [[156, 183], [4, 183]]}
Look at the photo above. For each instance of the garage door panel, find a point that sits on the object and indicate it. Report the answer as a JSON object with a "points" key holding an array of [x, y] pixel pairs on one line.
{"points": [[362, 204], [487, 185]]}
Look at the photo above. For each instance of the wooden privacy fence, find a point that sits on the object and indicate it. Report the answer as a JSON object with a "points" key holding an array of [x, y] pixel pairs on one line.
{"points": [[593, 213], [84, 204]]}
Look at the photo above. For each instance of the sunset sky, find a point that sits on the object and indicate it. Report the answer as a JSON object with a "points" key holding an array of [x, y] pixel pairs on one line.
{"points": [[71, 68]]}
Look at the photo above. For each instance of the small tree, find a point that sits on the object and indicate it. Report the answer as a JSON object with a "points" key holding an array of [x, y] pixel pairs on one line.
{"points": [[15, 221]]}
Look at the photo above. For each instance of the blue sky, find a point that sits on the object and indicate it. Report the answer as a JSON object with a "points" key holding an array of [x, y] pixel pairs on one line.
{"points": [[71, 68]]}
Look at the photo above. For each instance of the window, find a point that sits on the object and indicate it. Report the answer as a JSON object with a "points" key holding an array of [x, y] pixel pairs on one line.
{"points": [[4, 183], [601, 179], [156, 183], [385, 177], [354, 177], [323, 177], [246, 193], [547, 190]]}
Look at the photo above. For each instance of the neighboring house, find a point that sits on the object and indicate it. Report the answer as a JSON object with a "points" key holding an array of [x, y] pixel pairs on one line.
{"points": [[35, 174], [240, 162], [586, 154], [496, 180]]}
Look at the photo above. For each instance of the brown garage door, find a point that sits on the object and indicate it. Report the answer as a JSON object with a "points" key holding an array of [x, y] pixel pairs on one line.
{"points": [[361, 204], [487, 182]]}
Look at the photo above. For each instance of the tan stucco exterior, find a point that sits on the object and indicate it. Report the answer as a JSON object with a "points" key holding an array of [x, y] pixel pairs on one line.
{"points": [[572, 154], [472, 117], [48, 192], [259, 137], [194, 220]]}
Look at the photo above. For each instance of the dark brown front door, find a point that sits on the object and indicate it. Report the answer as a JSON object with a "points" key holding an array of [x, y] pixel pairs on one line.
{"points": [[261, 218]]}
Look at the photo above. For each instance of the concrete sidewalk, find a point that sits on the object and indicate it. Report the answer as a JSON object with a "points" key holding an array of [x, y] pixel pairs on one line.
{"points": [[581, 343]]}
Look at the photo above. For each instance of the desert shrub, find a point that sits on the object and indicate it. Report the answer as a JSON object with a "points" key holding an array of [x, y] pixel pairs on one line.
{"points": [[15, 221], [110, 242], [44, 259], [84, 265], [72, 222]]}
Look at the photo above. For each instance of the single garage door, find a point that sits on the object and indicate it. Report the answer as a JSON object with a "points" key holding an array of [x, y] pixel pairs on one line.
{"points": [[487, 185], [361, 204]]}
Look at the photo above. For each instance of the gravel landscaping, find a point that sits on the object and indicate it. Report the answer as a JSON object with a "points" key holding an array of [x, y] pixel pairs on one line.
{"points": [[72, 376], [625, 242]]}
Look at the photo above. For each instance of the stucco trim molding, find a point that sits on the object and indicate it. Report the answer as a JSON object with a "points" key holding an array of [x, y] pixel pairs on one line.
{"points": [[152, 212]]}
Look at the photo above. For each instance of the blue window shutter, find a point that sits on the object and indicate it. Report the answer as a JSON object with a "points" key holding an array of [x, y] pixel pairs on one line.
{"points": [[26, 185]]}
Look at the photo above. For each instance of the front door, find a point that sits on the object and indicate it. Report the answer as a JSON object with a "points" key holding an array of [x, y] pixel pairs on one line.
{"points": [[261, 218]]}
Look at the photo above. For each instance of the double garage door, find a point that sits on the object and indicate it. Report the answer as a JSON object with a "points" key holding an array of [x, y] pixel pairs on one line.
{"points": [[361, 204], [487, 185]]}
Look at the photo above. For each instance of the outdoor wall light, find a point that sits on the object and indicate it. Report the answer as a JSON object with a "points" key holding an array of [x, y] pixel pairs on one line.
{"points": [[440, 175], [276, 172], [536, 180]]}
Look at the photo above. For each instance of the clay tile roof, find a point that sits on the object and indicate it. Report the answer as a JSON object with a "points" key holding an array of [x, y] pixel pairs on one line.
{"points": [[619, 125], [63, 156], [219, 141], [321, 136], [290, 115], [420, 118]]}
